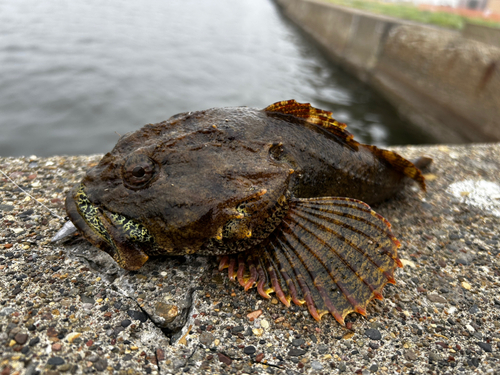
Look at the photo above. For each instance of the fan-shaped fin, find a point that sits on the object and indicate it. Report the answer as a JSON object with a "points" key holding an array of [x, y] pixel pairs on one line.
{"points": [[331, 254]]}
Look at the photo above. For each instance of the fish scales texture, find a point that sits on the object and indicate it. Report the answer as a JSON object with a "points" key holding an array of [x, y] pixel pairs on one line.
{"points": [[280, 194]]}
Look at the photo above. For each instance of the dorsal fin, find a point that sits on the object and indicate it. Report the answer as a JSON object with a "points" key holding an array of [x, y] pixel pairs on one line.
{"points": [[312, 115], [324, 119], [306, 111], [400, 164]]}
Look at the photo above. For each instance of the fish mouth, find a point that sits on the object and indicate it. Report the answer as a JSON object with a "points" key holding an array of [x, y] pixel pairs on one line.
{"points": [[122, 238]]}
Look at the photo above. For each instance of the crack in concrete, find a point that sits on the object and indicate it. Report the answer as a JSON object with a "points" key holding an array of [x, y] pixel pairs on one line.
{"points": [[189, 312], [79, 250], [110, 278], [103, 266], [157, 361], [193, 353], [124, 284], [252, 360], [151, 320]]}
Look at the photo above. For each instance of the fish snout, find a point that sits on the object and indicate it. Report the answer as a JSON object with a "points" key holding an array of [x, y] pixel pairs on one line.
{"points": [[122, 238]]}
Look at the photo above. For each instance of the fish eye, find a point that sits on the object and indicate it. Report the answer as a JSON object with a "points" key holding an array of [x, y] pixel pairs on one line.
{"points": [[276, 151], [138, 171]]}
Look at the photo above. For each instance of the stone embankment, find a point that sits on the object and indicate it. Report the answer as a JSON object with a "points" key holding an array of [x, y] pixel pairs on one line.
{"points": [[67, 307], [440, 80]]}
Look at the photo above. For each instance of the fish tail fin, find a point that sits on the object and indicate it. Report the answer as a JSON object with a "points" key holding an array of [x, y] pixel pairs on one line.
{"points": [[400, 164], [332, 254]]}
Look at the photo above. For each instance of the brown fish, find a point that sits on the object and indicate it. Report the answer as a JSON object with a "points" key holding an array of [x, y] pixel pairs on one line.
{"points": [[277, 192]]}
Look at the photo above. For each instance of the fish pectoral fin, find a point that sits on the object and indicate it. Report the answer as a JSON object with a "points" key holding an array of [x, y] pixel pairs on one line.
{"points": [[333, 254]]}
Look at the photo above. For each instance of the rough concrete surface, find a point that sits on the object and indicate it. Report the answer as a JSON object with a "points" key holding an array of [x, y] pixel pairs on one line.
{"points": [[482, 33], [67, 308]]}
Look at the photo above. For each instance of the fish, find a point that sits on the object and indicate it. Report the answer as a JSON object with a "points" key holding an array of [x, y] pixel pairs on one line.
{"points": [[280, 195]]}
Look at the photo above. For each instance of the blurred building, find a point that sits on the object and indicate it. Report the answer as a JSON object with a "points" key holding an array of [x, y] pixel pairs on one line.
{"points": [[493, 6], [474, 4]]}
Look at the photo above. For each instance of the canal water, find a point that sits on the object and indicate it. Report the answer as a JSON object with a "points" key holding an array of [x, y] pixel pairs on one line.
{"points": [[75, 74]]}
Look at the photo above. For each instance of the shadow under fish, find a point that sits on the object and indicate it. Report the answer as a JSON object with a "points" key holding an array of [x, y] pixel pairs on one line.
{"points": [[280, 195]]}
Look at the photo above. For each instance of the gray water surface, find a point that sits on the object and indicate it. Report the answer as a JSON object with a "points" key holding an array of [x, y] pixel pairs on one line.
{"points": [[75, 74]]}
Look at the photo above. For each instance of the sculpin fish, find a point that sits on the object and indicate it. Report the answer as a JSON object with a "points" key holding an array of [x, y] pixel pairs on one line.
{"points": [[280, 194]]}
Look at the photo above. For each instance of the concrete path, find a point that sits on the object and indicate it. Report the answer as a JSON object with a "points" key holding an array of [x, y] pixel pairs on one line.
{"points": [[67, 308]]}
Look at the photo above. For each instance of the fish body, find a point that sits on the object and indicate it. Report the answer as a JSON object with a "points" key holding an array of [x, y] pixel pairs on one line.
{"points": [[277, 192]]}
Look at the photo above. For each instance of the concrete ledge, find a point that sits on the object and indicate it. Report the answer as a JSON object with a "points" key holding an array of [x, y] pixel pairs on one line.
{"points": [[67, 308], [447, 84], [485, 34]]}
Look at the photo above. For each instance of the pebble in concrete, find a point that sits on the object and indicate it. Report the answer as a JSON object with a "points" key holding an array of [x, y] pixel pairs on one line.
{"points": [[71, 299]]}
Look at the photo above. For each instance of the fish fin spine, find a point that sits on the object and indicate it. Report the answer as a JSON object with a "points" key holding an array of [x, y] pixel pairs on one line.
{"points": [[312, 115], [400, 164]]}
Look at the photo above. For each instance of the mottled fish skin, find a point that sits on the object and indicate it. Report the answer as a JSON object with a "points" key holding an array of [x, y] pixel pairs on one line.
{"points": [[222, 181]]}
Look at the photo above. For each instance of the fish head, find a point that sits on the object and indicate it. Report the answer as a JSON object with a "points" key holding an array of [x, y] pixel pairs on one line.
{"points": [[196, 183]]}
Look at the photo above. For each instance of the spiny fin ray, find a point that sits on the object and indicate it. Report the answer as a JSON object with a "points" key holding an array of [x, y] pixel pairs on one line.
{"points": [[400, 164], [324, 119], [332, 254], [312, 115]]}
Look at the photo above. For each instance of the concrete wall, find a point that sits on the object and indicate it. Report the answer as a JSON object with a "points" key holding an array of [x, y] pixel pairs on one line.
{"points": [[447, 84], [485, 34]]}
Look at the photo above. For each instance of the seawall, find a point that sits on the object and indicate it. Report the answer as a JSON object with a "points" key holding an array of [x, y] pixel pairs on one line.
{"points": [[485, 34], [438, 79]]}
